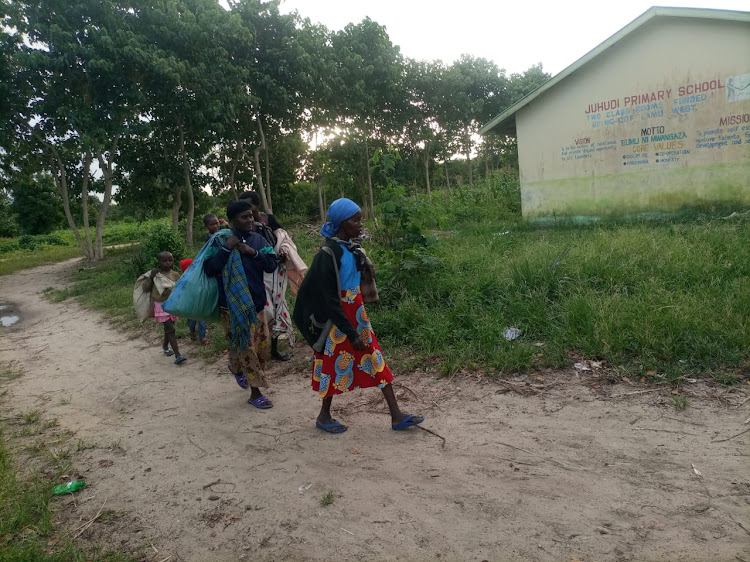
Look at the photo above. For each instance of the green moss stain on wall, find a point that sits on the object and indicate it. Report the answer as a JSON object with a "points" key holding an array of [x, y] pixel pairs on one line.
{"points": [[659, 191]]}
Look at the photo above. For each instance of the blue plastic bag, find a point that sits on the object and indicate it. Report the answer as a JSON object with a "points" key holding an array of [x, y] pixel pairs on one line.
{"points": [[195, 295]]}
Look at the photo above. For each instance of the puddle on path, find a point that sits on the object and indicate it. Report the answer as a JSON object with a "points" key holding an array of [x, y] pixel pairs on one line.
{"points": [[8, 320], [10, 316]]}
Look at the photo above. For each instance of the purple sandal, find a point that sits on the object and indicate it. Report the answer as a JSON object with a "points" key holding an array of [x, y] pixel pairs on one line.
{"points": [[261, 402], [240, 378]]}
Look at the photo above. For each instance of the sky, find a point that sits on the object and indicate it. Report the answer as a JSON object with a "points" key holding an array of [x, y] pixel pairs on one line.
{"points": [[516, 34]]}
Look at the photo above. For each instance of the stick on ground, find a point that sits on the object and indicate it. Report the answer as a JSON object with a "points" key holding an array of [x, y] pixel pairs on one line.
{"points": [[435, 434], [88, 523], [732, 437]]}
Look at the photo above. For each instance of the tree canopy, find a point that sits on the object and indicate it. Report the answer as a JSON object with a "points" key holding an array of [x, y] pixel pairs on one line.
{"points": [[151, 102]]}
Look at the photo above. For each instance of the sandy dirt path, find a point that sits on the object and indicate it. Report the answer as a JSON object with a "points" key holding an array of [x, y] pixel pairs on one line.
{"points": [[192, 471]]}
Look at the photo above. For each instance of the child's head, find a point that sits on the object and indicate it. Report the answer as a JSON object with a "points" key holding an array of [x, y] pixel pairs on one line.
{"points": [[254, 199], [165, 261], [211, 222]]}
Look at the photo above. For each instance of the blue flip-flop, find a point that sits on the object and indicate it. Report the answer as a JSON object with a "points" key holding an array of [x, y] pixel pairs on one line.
{"points": [[167, 352], [409, 421], [261, 402], [179, 359], [334, 427]]}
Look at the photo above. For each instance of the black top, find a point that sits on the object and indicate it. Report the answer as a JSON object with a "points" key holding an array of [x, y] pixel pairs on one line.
{"points": [[318, 300], [266, 229], [254, 267], [271, 221]]}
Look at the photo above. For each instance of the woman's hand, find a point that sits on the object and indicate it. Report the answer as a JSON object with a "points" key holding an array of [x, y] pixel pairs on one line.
{"points": [[231, 242], [359, 344], [245, 249], [153, 273]]}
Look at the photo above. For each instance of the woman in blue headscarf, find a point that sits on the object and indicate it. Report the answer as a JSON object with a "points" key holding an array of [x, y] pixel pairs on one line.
{"points": [[331, 315]]}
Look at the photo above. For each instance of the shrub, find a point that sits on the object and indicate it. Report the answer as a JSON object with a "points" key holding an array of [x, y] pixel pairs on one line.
{"points": [[162, 238], [10, 245]]}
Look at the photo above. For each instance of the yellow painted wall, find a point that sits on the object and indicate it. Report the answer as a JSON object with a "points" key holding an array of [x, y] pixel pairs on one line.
{"points": [[657, 122]]}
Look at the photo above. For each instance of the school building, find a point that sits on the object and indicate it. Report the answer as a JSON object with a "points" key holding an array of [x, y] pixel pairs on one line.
{"points": [[655, 119]]}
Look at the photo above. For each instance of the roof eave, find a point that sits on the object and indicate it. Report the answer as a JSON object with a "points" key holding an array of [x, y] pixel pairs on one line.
{"points": [[645, 17]]}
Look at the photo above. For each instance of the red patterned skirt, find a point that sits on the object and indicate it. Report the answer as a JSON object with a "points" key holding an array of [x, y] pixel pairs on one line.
{"points": [[340, 368]]}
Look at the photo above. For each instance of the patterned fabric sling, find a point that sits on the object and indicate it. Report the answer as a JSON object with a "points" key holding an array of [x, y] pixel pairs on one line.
{"points": [[239, 302], [368, 288]]}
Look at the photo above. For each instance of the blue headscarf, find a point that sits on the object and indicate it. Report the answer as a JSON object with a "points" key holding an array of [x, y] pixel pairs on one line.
{"points": [[339, 211]]}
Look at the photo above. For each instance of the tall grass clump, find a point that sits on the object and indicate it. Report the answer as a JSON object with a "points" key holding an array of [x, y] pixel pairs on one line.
{"points": [[655, 297]]}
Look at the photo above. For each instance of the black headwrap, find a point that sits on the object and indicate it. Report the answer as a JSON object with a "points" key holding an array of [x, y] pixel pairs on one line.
{"points": [[237, 207]]}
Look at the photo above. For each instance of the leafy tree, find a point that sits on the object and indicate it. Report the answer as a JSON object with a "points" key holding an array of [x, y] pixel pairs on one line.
{"points": [[8, 225], [422, 133], [282, 64], [11, 95], [197, 90], [37, 205], [521, 85], [149, 177], [499, 151], [83, 65], [475, 88], [370, 84]]}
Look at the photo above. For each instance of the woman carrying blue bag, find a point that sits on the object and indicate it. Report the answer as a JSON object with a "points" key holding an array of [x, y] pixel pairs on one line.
{"points": [[238, 264]]}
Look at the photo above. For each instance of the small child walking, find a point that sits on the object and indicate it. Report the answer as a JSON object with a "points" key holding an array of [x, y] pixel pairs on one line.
{"points": [[160, 283], [193, 324]]}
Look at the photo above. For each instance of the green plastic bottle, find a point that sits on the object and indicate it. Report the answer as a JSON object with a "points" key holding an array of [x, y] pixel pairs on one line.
{"points": [[69, 488]]}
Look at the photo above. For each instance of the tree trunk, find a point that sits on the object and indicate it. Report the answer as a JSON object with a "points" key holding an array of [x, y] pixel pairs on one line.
{"points": [[106, 167], [369, 182], [468, 160], [176, 204], [427, 173], [61, 181], [85, 199], [268, 170], [319, 180], [233, 173], [321, 204], [259, 179], [188, 190], [267, 202], [363, 190], [447, 175]]}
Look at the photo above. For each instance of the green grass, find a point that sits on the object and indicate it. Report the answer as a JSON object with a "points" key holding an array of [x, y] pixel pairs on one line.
{"points": [[26, 529], [668, 296], [27, 459], [327, 499], [680, 402], [84, 444], [32, 416], [9, 373], [12, 262], [25, 252]]}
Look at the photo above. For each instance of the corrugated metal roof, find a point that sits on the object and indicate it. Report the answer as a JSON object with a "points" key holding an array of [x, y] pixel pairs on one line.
{"points": [[648, 15]]}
